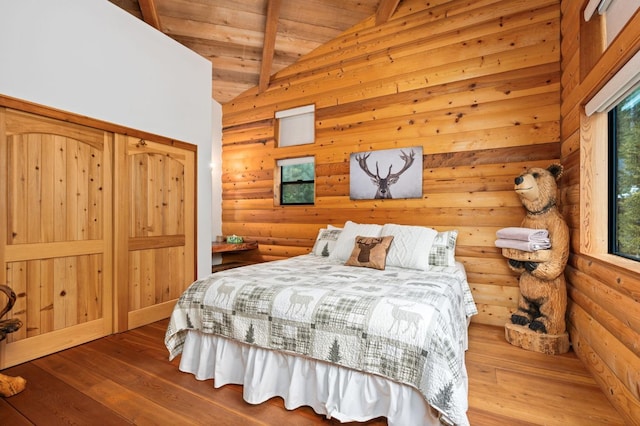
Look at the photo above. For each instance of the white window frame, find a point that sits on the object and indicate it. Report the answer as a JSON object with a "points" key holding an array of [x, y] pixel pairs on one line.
{"points": [[617, 88]]}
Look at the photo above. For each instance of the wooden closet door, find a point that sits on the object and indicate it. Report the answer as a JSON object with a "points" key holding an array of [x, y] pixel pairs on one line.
{"points": [[56, 229], [155, 228]]}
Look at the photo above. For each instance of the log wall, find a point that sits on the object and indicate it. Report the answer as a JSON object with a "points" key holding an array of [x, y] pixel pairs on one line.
{"points": [[476, 84], [604, 290]]}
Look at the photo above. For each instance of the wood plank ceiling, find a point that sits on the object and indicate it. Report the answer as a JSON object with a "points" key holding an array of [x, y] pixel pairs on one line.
{"points": [[247, 41]]}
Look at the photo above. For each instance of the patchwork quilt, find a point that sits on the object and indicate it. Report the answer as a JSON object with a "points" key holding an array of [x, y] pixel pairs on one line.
{"points": [[407, 325]]}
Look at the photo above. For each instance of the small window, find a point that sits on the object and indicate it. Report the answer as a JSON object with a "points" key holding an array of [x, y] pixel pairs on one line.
{"points": [[296, 126], [297, 181], [624, 177]]}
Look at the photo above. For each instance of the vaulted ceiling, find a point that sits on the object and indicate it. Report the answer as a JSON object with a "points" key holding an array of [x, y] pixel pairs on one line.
{"points": [[247, 41]]}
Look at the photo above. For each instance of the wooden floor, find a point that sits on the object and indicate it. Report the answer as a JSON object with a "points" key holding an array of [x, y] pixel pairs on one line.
{"points": [[126, 379]]}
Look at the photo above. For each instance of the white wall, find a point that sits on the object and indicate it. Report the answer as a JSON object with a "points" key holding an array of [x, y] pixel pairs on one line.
{"points": [[92, 58], [216, 175]]}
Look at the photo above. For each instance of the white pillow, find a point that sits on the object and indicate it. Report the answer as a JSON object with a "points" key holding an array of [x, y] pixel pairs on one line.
{"points": [[346, 240], [410, 247], [326, 241]]}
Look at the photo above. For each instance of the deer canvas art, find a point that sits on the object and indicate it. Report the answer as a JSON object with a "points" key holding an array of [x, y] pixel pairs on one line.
{"points": [[373, 174]]}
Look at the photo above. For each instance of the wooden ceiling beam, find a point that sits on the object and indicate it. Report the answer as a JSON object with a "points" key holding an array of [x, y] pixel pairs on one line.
{"points": [[385, 10], [149, 13], [268, 50]]}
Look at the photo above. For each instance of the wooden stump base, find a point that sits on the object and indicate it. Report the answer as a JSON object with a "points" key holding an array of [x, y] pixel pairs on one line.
{"points": [[525, 338]]}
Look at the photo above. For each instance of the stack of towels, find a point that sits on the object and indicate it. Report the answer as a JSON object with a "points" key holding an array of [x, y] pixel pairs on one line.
{"points": [[525, 239]]}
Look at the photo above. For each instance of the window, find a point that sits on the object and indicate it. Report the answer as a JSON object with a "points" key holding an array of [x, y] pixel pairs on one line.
{"points": [[294, 178], [297, 181], [296, 126], [624, 177], [610, 143], [620, 97]]}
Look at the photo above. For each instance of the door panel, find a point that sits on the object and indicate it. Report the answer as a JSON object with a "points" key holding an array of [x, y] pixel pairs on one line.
{"points": [[155, 228], [55, 232]]}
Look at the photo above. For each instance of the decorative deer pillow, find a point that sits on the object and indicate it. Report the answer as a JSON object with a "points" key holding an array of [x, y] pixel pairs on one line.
{"points": [[370, 252]]}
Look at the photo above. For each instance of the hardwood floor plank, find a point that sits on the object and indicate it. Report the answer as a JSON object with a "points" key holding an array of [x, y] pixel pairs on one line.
{"points": [[129, 346], [47, 401], [566, 402], [569, 376], [144, 396], [529, 387], [11, 416], [197, 400], [127, 378], [492, 349], [478, 416], [135, 408]]}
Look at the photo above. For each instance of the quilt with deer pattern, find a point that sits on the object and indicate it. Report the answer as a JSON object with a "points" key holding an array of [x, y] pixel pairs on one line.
{"points": [[406, 325]]}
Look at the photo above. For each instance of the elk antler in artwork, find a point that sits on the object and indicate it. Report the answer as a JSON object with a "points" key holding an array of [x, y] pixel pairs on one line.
{"points": [[383, 184]]}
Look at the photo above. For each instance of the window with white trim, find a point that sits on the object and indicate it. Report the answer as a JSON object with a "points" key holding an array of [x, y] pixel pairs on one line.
{"points": [[619, 99], [297, 181], [624, 177]]}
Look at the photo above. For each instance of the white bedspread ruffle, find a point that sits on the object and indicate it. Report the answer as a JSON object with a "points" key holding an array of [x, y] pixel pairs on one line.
{"points": [[331, 390]]}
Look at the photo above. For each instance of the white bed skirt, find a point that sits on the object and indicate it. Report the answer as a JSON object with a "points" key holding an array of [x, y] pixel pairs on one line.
{"points": [[334, 391]]}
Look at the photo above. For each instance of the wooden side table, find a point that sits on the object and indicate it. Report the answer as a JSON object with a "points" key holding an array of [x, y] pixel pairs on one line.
{"points": [[218, 248]]}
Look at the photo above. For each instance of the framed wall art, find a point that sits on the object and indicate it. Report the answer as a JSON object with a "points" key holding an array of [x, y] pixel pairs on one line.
{"points": [[388, 173]]}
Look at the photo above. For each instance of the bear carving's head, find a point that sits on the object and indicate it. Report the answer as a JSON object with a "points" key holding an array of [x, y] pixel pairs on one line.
{"points": [[537, 188]]}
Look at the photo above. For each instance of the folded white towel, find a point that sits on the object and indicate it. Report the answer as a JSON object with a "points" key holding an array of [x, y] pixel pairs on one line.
{"points": [[523, 234], [522, 245]]}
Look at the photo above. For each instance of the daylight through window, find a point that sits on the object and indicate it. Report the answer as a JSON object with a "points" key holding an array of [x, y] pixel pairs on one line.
{"points": [[297, 181], [624, 177]]}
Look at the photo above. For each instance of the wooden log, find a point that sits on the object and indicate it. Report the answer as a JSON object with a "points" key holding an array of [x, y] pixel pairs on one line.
{"points": [[490, 294], [623, 362], [619, 304], [433, 218], [626, 335], [491, 314], [507, 11], [525, 338], [350, 87]]}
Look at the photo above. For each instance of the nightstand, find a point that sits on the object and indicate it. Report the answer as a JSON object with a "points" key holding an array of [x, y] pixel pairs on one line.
{"points": [[232, 248]]}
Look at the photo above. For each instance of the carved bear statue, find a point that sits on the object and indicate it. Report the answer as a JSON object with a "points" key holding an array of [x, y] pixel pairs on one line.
{"points": [[543, 293]]}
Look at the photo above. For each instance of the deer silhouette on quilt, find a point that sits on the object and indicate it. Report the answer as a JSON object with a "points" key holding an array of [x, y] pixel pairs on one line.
{"points": [[298, 302], [404, 317], [224, 293]]}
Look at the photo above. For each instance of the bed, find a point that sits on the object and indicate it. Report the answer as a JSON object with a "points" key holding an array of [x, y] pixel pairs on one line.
{"points": [[353, 339]]}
